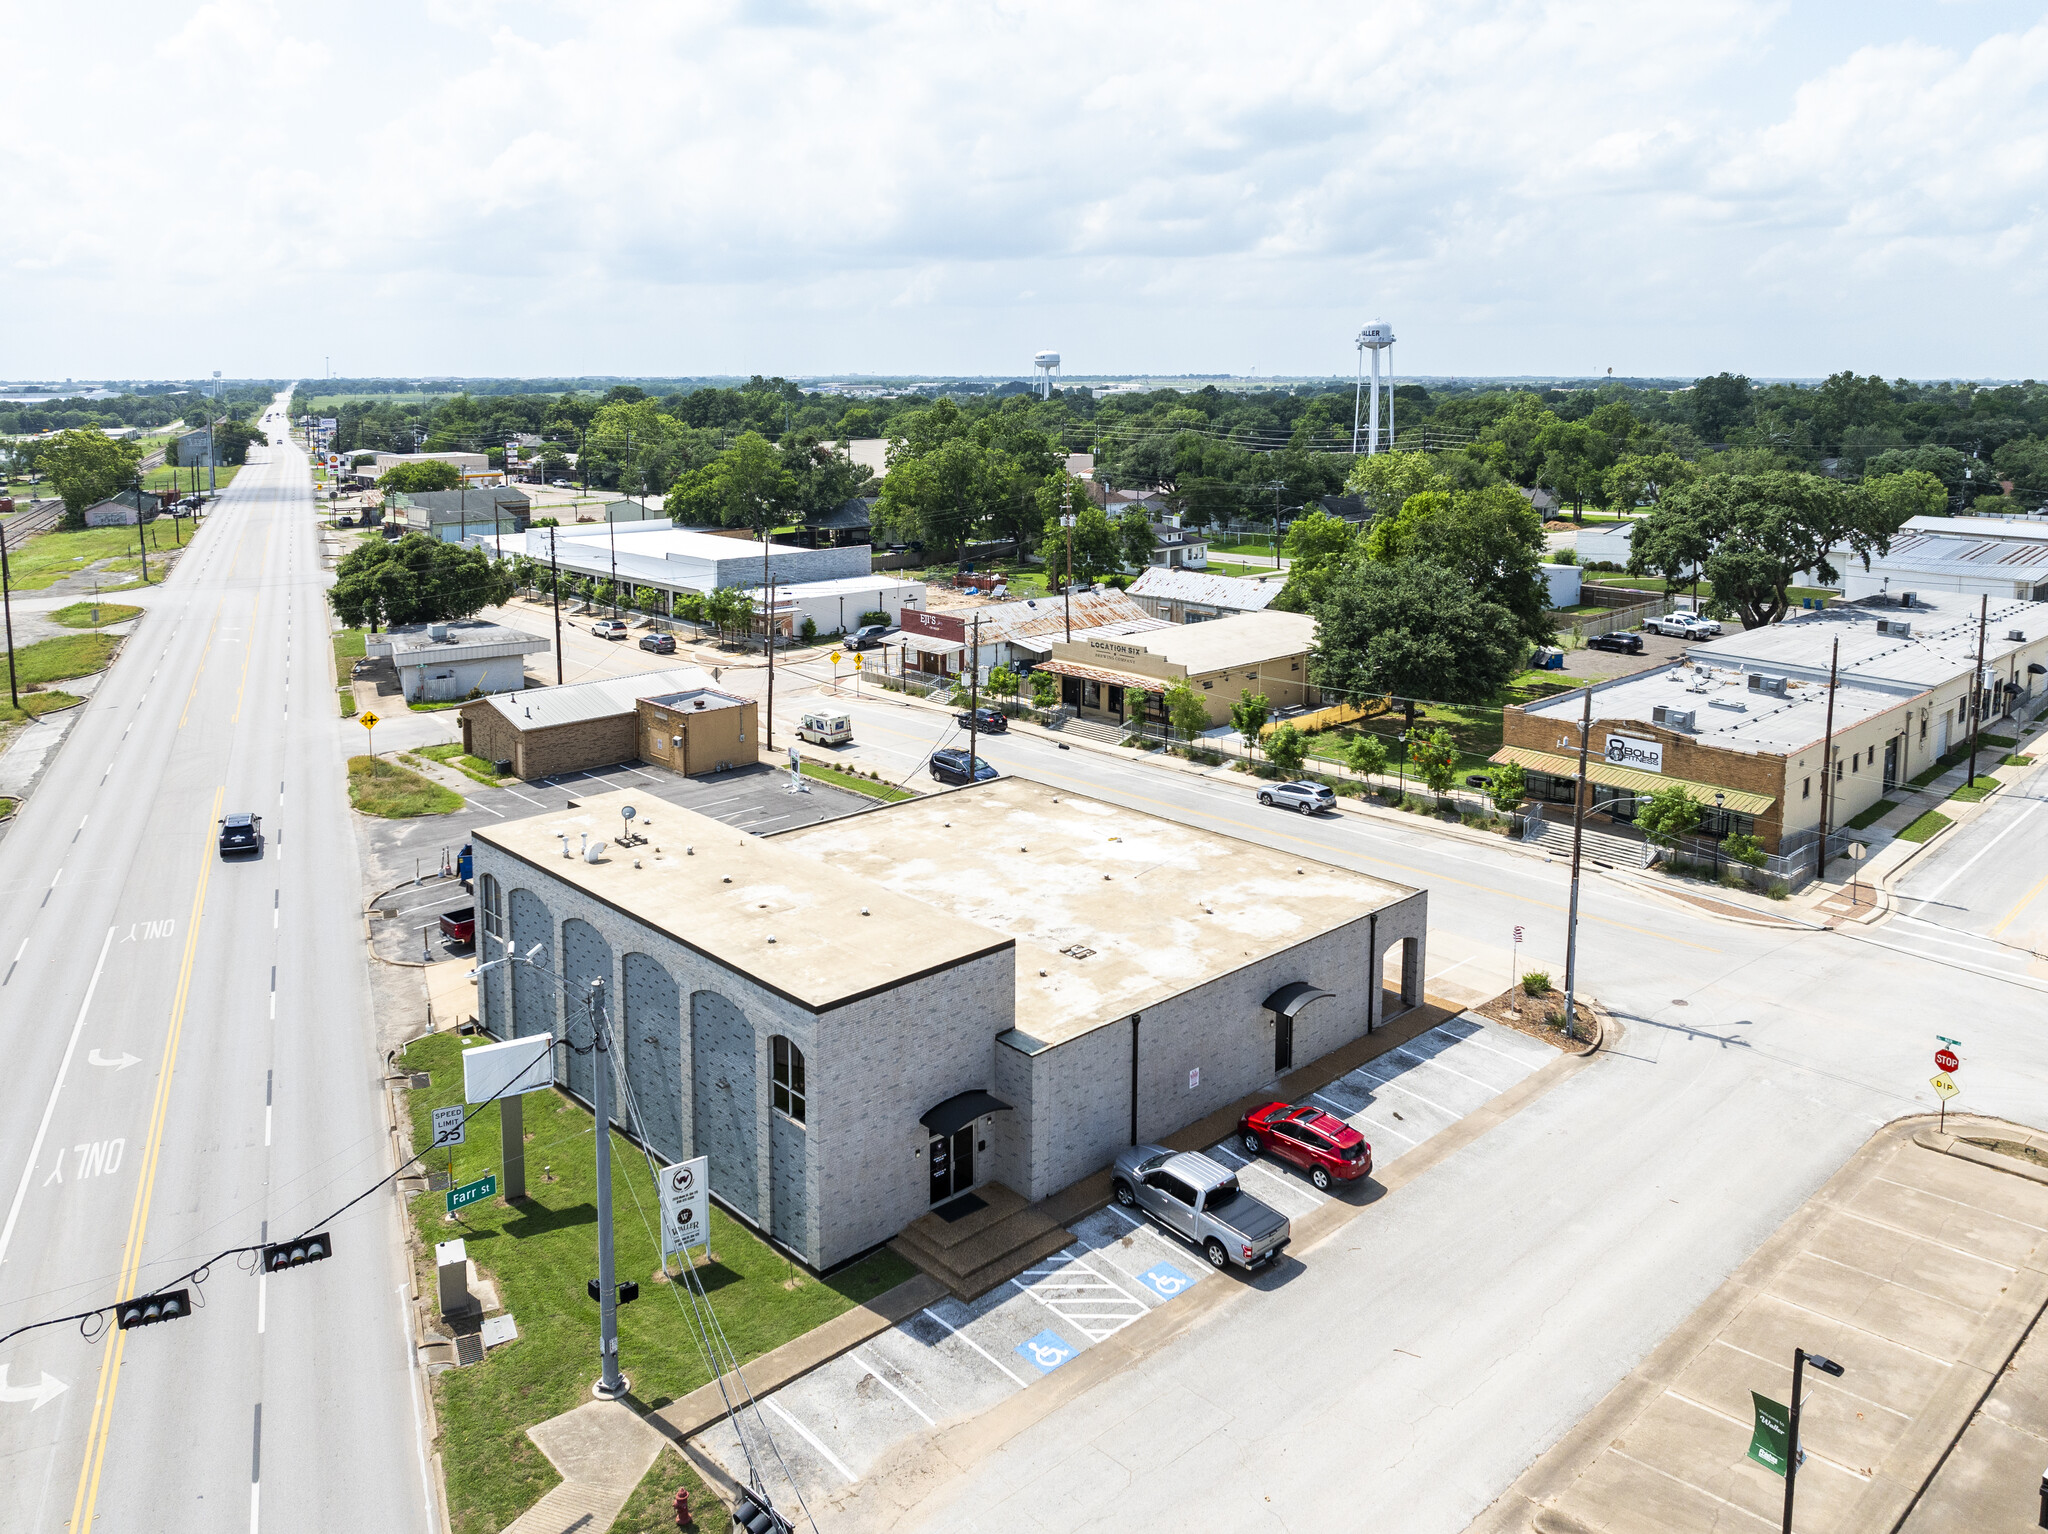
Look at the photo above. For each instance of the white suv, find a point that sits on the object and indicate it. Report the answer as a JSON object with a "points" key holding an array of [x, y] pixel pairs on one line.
{"points": [[609, 628], [1308, 798]]}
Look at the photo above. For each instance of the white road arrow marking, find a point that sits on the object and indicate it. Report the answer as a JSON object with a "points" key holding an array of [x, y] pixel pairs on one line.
{"points": [[41, 1394], [119, 1063]]}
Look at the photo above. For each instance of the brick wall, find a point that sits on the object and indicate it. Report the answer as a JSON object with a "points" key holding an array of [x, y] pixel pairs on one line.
{"points": [[541, 753]]}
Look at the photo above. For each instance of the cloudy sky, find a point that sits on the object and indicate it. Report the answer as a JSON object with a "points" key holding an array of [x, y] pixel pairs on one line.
{"points": [[472, 187]]}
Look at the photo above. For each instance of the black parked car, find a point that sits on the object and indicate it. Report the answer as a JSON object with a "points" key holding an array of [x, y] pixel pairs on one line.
{"points": [[989, 721], [950, 766], [241, 833], [660, 644], [1620, 644]]}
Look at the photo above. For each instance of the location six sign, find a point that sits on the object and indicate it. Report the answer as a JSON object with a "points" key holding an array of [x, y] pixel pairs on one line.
{"points": [[685, 1206]]}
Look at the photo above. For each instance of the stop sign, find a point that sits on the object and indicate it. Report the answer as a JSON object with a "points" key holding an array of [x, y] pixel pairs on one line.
{"points": [[1945, 1060]]}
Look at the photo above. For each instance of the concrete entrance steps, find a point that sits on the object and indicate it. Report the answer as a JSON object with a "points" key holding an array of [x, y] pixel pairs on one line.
{"points": [[1089, 729], [971, 1255], [1595, 846]]}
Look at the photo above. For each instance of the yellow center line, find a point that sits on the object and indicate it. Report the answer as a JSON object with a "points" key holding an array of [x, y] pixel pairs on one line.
{"points": [[202, 663], [138, 1219], [2025, 901]]}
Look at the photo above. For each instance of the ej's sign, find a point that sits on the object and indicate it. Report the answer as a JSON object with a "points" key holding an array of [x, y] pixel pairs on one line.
{"points": [[1627, 751]]}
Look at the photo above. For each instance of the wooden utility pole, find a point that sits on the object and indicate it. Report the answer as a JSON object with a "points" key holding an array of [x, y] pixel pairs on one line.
{"points": [[555, 591], [1581, 799], [1977, 686]]}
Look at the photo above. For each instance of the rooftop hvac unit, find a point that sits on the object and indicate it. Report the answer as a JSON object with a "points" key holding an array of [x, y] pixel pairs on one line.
{"points": [[1774, 685], [1898, 628], [1671, 718], [2016, 636], [1907, 598]]}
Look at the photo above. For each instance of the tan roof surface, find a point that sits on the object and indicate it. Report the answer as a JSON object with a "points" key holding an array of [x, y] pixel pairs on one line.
{"points": [[1180, 906], [824, 952], [1242, 640]]}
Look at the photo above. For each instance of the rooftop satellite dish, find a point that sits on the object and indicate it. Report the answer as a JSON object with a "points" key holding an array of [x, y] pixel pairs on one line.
{"points": [[627, 812]]}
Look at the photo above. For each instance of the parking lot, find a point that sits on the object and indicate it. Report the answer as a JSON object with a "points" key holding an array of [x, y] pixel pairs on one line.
{"points": [[755, 799], [954, 1360]]}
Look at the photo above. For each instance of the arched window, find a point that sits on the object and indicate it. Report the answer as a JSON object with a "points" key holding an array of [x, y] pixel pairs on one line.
{"points": [[789, 1077]]}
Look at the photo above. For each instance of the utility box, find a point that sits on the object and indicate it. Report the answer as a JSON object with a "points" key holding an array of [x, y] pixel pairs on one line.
{"points": [[451, 1262]]}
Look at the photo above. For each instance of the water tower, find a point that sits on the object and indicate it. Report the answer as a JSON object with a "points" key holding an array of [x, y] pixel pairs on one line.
{"points": [[1048, 365], [1375, 338]]}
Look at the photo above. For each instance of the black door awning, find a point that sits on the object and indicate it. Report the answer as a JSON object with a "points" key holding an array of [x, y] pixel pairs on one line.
{"points": [[960, 1111], [1290, 999]]}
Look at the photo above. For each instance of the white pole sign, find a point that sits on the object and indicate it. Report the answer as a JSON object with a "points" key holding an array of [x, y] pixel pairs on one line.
{"points": [[448, 1125], [508, 1068], [685, 1206]]}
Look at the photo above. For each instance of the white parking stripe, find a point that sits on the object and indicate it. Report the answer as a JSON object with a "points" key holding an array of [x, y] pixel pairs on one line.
{"points": [[1315, 1200], [1477, 1043], [1390, 1082], [984, 1352], [883, 1381], [1350, 1115], [1437, 1060], [1147, 1225], [810, 1438]]}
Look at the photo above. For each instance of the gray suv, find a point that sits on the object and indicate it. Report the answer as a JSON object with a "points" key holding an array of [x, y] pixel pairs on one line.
{"points": [[1199, 1201], [1308, 798]]}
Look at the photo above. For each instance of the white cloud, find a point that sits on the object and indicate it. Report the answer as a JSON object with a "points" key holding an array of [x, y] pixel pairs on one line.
{"points": [[533, 188]]}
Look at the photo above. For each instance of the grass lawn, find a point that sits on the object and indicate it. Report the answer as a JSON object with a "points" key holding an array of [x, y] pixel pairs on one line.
{"points": [[887, 792], [378, 787], [1873, 815], [35, 704], [542, 1250], [346, 697], [58, 660], [2016, 759], [1970, 793], [79, 615], [1236, 571], [435, 708], [1926, 826], [49, 557], [652, 1505], [1476, 727], [453, 755], [8, 807], [181, 479], [1242, 546]]}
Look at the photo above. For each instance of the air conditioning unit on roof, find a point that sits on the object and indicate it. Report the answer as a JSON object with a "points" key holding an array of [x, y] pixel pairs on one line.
{"points": [[1898, 628], [1672, 718], [1774, 685]]}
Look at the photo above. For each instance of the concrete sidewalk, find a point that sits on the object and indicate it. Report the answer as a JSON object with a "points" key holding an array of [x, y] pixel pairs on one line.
{"points": [[1919, 1267]]}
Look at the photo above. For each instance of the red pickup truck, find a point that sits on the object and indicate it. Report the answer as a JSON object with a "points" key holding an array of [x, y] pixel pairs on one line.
{"points": [[459, 926]]}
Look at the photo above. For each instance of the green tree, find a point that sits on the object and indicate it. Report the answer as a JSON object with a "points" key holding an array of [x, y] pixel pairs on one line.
{"points": [[1366, 754], [1740, 848], [1386, 480], [1135, 538], [1913, 493], [426, 474], [1316, 544], [1097, 549], [1287, 748], [1764, 531], [1644, 477], [1045, 689], [1667, 815], [1434, 756], [1490, 538], [1507, 785], [86, 466], [417, 579], [748, 485], [1185, 710], [1413, 630], [1004, 682], [1248, 717]]}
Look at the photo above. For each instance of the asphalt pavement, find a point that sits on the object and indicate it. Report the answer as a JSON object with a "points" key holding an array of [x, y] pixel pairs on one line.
{"points": [[192, 1072]]}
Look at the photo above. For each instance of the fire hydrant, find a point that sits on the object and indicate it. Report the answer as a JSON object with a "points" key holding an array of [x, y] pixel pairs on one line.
{"points": [[682, 1507]]}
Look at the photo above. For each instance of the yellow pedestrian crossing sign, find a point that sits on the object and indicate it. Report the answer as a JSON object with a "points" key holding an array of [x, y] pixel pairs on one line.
{"points": [[857, 660], [369, 721]]}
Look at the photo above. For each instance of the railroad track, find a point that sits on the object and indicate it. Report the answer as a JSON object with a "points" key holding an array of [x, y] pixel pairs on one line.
{"points": [[40, 517]]}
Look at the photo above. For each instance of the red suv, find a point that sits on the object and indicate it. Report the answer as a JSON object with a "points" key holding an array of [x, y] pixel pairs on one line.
{"points": [[1321, 1144]]}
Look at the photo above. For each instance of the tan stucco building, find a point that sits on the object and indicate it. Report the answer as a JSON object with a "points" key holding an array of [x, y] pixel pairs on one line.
{"points": [[1121, 679]]}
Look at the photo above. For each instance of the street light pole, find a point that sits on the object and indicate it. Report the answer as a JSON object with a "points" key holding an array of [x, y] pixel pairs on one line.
{"points": [[768, 634], [7, 606], [1977, 687], [1799, 1360], [611, 1384], [1067, 590], [1580, 794], [555, 591]]}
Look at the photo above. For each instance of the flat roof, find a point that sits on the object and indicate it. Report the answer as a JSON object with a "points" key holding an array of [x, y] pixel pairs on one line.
{"points": [[1120, 909], [537, 708], [817, 934], [1241, 640], [414, 643], [1940, 643], [1726, 714]]}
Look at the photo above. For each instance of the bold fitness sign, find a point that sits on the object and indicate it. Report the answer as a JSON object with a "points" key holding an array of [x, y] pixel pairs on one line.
{"points": [[1627, 751]]}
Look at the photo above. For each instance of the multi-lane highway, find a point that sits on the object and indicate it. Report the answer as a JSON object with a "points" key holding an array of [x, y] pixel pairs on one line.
{"points": [[190, 1068]]}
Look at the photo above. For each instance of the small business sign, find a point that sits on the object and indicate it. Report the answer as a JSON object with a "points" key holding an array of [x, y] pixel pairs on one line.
{"points": [[685, 1206], [473, 1192], [1628, 751], [933, 625], [1768, 1444], [1118, 648], [448, 1125]]}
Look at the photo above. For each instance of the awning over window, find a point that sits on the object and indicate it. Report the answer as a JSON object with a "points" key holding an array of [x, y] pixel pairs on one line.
{"points": [[1290, 999], [959, 1111], [1132, 679], [1634, 779]]}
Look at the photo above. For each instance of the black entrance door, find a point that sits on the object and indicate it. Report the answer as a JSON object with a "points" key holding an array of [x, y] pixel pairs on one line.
{"points": [[1891, 762], [952, 1158], [1283, 1042]]}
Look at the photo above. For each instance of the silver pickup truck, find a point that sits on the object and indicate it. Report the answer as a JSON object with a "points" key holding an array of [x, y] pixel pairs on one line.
{"points": [[1199, 1201]]}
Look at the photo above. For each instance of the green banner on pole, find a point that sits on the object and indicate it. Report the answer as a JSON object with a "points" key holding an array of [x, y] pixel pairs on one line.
{"points": [[472, 1192], [1768, 1444]]}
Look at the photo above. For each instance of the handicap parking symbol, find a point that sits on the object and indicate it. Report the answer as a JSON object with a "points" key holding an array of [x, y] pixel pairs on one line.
{"points": [[1165, 1280], [1046, 1352]]}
